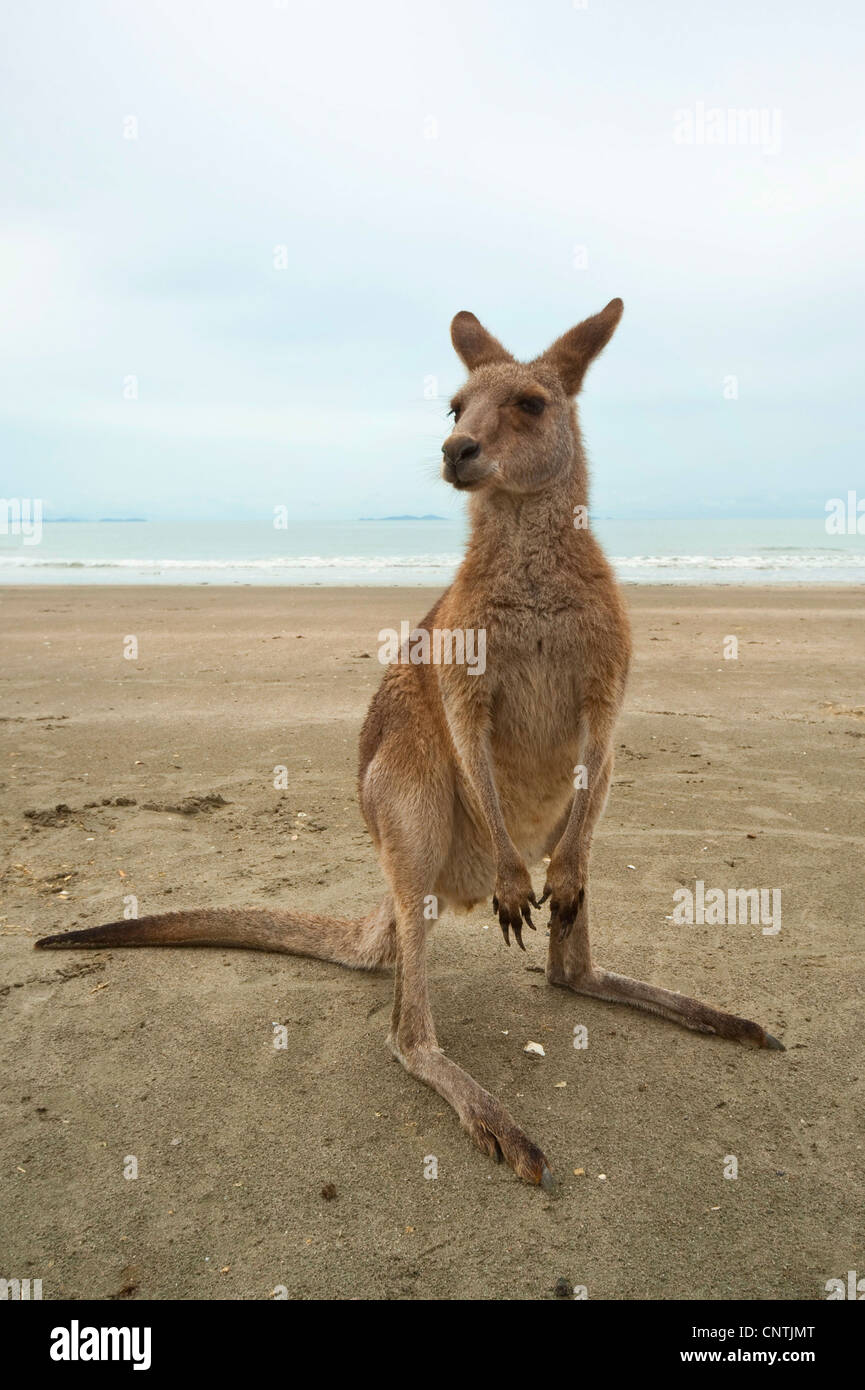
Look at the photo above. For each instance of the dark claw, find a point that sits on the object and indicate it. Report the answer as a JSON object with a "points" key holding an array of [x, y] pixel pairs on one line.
{"points": [[512, 919], [774, 1044], [548, 1182], [546, 893], [564, 914], [533, 900]]}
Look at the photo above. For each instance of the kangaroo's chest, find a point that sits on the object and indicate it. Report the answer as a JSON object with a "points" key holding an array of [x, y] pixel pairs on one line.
{"points": [[538, 680], [536, 746]]}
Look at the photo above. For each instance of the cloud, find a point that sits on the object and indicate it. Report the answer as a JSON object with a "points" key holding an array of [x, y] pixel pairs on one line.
{"points": [[407, 162]]}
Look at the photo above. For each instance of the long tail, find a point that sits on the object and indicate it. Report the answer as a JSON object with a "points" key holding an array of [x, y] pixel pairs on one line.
{"points": [[362, 943]]}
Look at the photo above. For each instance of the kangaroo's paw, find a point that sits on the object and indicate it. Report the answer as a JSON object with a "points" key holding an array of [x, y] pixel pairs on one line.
{"points": [[513, 897], [566, 888]]}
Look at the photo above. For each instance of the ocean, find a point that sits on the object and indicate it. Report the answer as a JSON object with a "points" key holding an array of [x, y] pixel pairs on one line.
{"points": [[413, 552]]}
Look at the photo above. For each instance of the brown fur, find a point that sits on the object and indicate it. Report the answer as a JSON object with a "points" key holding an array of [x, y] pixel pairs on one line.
{"points": [[465, 780]]}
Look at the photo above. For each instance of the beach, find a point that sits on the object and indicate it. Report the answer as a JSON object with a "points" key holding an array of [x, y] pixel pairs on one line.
{"points": [[143, 730]]}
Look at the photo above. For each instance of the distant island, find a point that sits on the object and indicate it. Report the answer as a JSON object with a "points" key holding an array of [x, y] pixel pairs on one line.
{"points": [[428, 517]]}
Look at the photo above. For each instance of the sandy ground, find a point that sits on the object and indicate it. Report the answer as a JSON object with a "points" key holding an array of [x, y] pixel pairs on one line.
{"points": [[742, 773]]}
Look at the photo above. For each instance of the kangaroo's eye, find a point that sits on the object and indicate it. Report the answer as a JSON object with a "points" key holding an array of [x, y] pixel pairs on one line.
{"points": [[531, 405]]}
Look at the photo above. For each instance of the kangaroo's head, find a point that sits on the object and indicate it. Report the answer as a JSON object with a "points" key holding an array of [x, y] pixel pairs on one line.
{"points": [[515, 425]]}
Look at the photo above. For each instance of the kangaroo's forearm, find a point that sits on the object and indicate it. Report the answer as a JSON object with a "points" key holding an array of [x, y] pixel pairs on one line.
{"points": [[477, 765], [469, 732], [587, 807]]}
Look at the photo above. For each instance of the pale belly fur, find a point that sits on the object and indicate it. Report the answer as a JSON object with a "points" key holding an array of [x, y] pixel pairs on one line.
{"points": [[534, 761]]}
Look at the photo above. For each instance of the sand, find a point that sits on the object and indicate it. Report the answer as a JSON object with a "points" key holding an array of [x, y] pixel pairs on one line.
{"points": [[740, 773]]}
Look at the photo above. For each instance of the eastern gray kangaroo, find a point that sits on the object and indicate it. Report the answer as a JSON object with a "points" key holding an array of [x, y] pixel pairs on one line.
{"points": [[467, 778]]}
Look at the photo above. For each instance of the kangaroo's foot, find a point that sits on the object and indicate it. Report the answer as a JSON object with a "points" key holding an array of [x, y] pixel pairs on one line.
{"points": [[488, 1124], [569, 965], [680, 1008]]}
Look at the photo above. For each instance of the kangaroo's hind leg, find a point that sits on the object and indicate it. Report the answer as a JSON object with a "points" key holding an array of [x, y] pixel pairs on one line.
{"points": [[413, 819]]}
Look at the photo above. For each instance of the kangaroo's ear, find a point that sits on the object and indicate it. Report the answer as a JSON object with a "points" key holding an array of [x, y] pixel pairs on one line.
{"points": [[571, 354], [474, 345]]}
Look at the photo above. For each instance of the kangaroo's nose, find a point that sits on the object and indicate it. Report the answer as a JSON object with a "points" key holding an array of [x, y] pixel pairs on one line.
{"points": [[460, 448]]}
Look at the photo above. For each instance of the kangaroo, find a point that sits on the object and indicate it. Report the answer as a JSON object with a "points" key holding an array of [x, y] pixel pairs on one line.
{"points": [[466, 778]]}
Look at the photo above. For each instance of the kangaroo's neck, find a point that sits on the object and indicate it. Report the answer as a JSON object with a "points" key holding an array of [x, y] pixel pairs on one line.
{"points": [[543, 530]]}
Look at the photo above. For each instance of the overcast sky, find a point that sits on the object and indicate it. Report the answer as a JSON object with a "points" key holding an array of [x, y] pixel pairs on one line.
{"points": [[527, 162]]}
